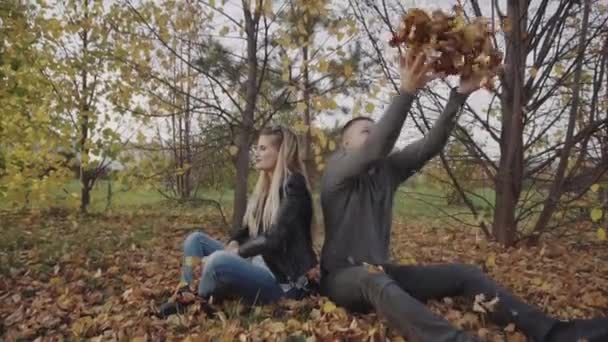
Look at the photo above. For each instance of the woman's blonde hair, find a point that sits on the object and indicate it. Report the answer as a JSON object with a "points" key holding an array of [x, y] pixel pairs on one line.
{"points": [[263, 205]]}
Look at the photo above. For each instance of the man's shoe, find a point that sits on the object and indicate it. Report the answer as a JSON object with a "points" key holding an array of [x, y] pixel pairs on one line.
{"points": [[171, 308]]}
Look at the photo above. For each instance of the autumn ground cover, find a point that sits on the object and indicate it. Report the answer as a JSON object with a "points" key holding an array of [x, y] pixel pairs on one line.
{"points": [[101, 276]]}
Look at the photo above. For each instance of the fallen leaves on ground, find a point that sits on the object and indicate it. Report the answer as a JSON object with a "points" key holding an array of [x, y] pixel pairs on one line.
{"points": [[101, 278]]}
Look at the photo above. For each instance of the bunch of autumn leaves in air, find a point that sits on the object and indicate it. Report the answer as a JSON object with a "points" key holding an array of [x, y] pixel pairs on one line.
{"points": [[457, 46]]}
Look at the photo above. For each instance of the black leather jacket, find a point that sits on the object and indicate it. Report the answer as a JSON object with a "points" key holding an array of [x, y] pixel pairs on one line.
{"points": [[287, 245]]}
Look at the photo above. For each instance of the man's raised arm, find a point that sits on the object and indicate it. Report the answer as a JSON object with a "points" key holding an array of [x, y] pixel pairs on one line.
{"points": [[414, 70], [414, 156]]}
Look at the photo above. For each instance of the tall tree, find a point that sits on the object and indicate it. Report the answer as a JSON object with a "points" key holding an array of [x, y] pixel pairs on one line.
{"points": [[526, 116], [90, 86], [320, 57], [32, 161]]}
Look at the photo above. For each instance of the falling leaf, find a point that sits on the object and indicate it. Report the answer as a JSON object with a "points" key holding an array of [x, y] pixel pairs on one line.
{"points": [[224, 31], [323, 65], [332, 145], [533, 72], [369, 107], [348, 70], [601, 234], [301, 107], [596, 214], [233, 150]]}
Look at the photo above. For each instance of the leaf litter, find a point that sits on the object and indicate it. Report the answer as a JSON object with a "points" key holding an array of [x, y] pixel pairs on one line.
{"points": [[102, 277]]}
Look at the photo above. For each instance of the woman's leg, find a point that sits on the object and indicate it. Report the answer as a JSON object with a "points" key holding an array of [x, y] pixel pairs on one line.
{"points": [[226, 274], [197, 245]]}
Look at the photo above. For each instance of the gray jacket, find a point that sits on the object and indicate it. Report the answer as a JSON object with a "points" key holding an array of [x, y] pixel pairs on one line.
{"points": [[358, 187]]}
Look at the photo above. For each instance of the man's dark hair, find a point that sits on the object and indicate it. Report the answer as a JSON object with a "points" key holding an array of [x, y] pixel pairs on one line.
{"points": [[352, 121]]}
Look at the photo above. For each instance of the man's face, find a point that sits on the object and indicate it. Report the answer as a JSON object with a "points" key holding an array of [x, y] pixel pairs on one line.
{"points": [[356, 135]]}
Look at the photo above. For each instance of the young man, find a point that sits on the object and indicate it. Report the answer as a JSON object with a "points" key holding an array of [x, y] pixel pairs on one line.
{"points": [[357, 192]]}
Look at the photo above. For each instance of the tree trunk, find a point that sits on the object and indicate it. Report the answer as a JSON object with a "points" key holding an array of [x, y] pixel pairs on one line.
{"points": [[307, 154], [510, 168], [187, 136], [245, 130], [556, 190], [85, 189]]}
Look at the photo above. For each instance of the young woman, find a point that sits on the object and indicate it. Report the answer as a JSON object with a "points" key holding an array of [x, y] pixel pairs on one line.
{"points": [[269, 257]]}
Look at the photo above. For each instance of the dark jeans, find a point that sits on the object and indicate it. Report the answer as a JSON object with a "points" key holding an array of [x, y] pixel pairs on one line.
{"points": [[398, 295]]}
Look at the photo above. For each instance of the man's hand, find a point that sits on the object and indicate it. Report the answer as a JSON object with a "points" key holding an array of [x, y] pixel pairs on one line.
{"points": [[475, 81], [415, 70], [233, 247]]}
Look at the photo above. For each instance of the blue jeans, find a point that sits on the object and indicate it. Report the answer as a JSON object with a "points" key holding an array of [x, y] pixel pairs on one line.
{"points": [[226, 275]]}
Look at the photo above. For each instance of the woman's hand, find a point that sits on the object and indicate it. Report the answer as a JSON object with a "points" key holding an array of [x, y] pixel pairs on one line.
{"points": [[314, 273], [233, 247]]}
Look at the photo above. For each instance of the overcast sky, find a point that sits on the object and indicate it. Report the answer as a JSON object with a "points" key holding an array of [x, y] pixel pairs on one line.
{"points": [[478, 100]]}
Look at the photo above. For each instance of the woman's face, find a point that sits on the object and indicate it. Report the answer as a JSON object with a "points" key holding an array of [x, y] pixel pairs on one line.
{"points": [[266, 153]]}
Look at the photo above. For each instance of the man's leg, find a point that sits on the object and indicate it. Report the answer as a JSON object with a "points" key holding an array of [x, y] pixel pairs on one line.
{"points": [[359, 290], [449, 280], [197, 245], [227, 275]]}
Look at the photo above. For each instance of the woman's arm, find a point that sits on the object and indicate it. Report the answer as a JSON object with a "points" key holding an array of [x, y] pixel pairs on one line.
{"points": [[240, 236], [296, 193]]}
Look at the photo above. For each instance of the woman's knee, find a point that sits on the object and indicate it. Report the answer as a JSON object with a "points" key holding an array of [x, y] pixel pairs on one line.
{"points": [[218, 260], [193, 239]]}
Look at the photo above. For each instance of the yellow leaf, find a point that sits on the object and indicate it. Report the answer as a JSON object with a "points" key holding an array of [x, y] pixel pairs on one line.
{"points": [[82, 325], [332, 104], [595, 187], [491, 261], [369, 107], [348, 70], [293, 324], [300, 128], [323, 65], [233, 150], [322, 138], [601, 234], [533, 72], [332, 145], [506, 25], [329, 307], [277, 327], [301, 107], [320, 167], [268, 8], [596, 214], [224, 31]]}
